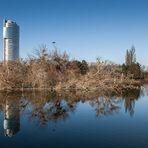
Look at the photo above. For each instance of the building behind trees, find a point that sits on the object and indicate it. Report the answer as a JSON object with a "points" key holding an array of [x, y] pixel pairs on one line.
{"points": [[10, 40]]}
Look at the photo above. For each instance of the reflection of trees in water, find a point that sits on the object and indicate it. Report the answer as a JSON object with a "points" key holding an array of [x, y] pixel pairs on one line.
{"points": [[105, 106], [49, 106], [54, 111], [130, 97]]}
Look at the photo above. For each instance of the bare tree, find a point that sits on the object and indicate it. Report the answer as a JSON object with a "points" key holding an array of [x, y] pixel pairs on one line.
{"points": [[130, 56]]}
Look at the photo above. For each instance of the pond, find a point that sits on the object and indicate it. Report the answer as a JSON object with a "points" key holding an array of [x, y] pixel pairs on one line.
{"points": [[43, 119]]}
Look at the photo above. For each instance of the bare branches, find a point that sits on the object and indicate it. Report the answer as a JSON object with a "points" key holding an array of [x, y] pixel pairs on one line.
{"points": [[130, 56], [53, 70]]}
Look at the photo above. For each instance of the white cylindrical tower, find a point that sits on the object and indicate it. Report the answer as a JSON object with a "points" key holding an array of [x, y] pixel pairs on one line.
{"points": [[10, 40]]}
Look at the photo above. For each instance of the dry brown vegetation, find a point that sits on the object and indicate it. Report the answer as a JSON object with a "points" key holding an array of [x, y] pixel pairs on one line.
{"points": [[54, 71]]}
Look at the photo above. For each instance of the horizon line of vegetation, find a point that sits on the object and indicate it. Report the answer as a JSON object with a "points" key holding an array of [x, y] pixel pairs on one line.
{"points": [[54, 70]]}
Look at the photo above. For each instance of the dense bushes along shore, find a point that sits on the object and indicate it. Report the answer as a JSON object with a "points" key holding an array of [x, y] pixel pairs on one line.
{"points": [[53, 70]]}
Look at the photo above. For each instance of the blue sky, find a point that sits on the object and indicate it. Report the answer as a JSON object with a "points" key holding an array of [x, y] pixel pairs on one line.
{"points": [[86, 29]]}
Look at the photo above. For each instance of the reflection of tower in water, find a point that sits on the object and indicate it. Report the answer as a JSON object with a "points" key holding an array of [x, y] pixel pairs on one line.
{"points": [[11, 117]]}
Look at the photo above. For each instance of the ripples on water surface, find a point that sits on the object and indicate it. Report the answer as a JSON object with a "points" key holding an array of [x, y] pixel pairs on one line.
{"points": [[71, 120]]}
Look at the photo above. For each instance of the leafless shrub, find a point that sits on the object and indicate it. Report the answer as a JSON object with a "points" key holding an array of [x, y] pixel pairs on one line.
{"points": [[12, 75], [53, 70]]}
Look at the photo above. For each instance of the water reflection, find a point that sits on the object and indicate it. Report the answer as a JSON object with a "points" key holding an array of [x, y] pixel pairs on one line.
{"points": [[129, 100], [54, 110], [53, 107], [11, 115], [104, 106]]}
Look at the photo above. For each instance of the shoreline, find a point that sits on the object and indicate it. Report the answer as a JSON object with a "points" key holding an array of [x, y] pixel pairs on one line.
{"points": [[84, 89]]}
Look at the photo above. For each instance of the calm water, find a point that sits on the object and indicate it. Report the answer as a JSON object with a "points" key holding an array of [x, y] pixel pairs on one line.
{"points": [[57, 120]]}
